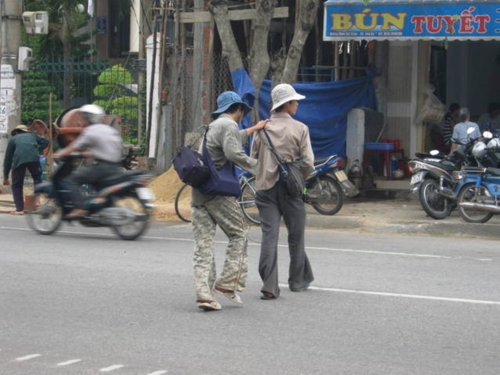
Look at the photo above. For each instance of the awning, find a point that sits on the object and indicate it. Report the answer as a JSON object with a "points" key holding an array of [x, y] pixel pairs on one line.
{"points": [[411, 20]]}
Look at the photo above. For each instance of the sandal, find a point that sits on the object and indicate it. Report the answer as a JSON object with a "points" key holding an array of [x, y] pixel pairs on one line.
{"points": [[17, 213], [209, 305], [229, 294], [267, 296]]}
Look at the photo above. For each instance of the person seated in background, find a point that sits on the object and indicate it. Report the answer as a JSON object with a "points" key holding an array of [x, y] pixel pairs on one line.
{"points": [[450, 120], [490, 121], [461, 130]]}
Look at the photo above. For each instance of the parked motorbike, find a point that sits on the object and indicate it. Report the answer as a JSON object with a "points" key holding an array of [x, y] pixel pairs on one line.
{"points": [[326, 186], [433, 178], [479, 188], [121, 202]]}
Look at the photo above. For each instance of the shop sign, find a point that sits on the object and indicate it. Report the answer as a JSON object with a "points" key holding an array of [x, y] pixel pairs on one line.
{"points": [[406, 20]]}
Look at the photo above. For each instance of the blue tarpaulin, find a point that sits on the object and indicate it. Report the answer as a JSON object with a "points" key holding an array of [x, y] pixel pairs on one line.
{"points": [[324, 110]]}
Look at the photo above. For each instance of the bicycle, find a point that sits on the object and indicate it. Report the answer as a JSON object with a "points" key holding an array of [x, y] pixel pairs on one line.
{"points": [[246, 200]]}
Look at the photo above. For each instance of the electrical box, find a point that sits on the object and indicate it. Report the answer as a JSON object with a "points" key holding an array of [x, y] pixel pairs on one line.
{"points": [[36, 22], [24, 58]]}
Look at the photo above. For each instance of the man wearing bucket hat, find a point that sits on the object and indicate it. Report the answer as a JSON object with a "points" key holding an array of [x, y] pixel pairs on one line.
{"points": [[225, 144], [290, 138], [23, 152]]}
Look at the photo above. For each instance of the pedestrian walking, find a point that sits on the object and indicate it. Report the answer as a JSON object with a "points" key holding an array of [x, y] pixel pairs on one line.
{"points": [[224, 142], [291, 140], [23, 153]]}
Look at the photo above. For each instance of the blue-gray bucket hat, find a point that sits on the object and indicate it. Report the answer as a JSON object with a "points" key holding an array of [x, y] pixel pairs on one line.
{"points": [[226, 100]]}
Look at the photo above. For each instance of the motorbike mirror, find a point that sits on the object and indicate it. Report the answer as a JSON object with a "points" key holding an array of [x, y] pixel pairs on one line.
{"points": [[434, 152], [488, 134]]}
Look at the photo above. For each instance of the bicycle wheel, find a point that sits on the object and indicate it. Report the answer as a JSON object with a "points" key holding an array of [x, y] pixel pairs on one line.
{"points": [[183, 203], [247, 200]]}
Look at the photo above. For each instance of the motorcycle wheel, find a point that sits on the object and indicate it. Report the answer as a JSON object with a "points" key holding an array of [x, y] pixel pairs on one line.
{"points": [[46, 215], [434, 204], [332, 188], [247, 201], [138, 227], [468, 194], [183, 203]]}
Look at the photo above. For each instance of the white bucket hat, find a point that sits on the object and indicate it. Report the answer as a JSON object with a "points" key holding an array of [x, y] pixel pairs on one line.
{"points": [[283, 93]]}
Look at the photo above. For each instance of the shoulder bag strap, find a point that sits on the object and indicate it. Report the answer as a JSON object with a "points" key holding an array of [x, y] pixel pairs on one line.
{"points": [[270, 146], [279, 159], [200, 134]]}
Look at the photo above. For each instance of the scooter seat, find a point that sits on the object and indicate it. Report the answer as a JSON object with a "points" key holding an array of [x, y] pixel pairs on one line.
{"points": [[446, 165], [118, 178]]}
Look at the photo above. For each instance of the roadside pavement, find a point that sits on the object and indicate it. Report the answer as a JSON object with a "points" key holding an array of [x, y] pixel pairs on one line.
{"points": [[397, 213]]}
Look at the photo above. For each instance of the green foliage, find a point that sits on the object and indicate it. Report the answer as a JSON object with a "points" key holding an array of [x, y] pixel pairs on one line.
{"points": [[36, 97], [115, 74], [118, 100]]}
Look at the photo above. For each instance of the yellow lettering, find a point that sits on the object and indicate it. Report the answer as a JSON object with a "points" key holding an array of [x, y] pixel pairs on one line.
{"points": [[359, 20], [341, 21], [390, 20]]}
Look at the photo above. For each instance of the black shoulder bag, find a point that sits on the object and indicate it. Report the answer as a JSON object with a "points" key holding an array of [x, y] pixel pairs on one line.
{"points": [[190, 165], [291, 176], [221, 182]]}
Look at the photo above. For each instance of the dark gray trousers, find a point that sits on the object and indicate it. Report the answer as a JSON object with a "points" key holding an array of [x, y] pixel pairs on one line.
{"points": [[273, 204], [93, 175]]}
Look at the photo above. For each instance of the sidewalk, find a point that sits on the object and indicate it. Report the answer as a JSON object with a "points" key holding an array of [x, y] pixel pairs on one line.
{"points": [[401, 215]]}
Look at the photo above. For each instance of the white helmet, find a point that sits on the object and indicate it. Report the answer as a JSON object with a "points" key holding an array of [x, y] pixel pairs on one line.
{"points": [[494, 143], [479, 150], [93, 113]]}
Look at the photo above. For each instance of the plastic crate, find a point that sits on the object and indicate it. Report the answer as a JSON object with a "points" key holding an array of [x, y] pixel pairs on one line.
{"points": [[379, 146]]}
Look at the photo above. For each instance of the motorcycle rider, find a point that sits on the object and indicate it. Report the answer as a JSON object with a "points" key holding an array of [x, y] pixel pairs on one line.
{"points": [[104, 144]]}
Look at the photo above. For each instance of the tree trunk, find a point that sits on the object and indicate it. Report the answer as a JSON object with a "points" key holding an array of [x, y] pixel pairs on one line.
{"points": [[219, 10], [305, 23], [259, 56]]}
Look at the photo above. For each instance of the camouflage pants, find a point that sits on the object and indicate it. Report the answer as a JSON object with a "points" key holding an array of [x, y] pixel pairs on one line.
{"points": [[226, 213]]}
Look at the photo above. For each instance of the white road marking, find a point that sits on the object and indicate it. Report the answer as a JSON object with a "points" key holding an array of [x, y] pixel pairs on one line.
{"points": [[401, 295], [360, 251], [70, 362], [158, 372], [27, 357], [111, 368]]}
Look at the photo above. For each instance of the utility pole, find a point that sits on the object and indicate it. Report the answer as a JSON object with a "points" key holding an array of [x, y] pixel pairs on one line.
{"points": [[10, 77]]}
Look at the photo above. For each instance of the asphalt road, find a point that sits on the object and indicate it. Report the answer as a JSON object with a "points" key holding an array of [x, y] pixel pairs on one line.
{"points": [[84, 302]]}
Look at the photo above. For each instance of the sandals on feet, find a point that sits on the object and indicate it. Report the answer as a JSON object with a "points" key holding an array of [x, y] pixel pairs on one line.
{"points": [[267, 296], [17, 213], [209, 305], [229, 294]]}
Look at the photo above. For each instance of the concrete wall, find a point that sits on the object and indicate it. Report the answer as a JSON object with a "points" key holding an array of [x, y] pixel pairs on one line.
{"points": [[399, 93]]}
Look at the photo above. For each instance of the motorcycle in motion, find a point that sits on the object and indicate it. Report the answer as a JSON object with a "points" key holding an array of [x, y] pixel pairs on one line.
{"points": [[434, 177], [121, 202]]}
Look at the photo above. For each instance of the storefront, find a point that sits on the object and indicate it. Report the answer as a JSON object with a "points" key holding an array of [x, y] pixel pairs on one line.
{"points": [[454, 45]]}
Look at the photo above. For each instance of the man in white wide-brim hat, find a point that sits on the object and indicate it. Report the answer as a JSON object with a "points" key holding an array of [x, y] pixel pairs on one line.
{"points": [[290, 138]]}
